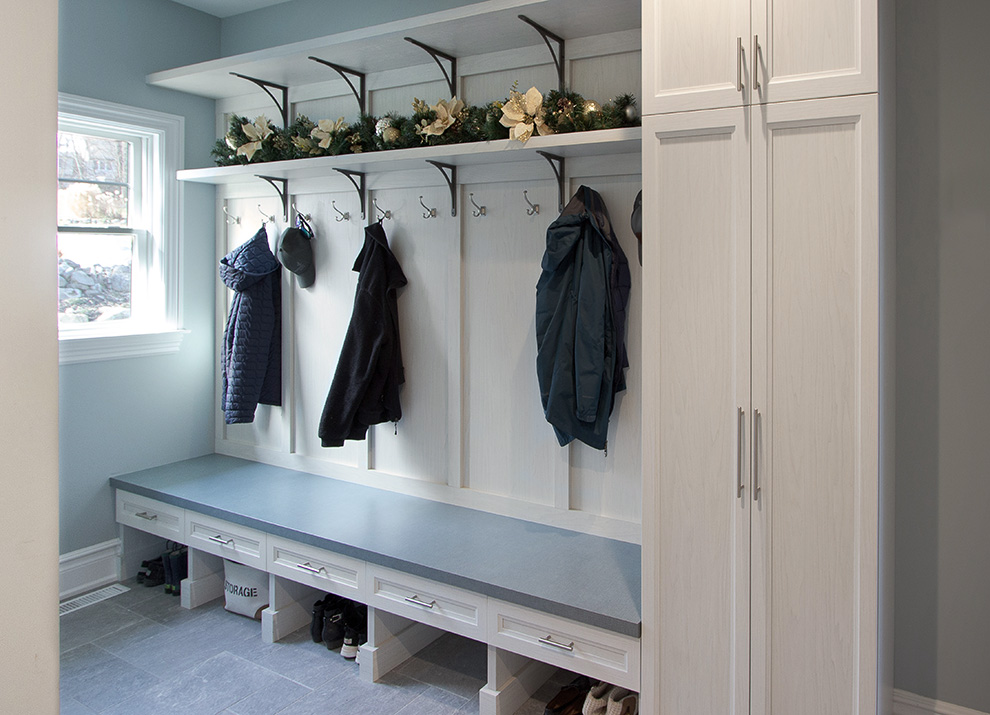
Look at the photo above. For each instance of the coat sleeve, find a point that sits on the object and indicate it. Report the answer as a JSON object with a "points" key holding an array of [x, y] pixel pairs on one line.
{"points": [[589, 333]]}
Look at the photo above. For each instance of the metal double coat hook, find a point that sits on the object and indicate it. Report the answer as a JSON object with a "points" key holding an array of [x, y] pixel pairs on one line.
{"points": [[430, 213], [533, 208], [479, 210]]}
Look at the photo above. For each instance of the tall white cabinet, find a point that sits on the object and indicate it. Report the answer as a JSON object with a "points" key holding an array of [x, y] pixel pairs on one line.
{"points": [[764, 320]]}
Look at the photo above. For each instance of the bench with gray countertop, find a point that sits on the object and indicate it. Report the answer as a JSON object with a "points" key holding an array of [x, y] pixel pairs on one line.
{"points": [[539, 596]]}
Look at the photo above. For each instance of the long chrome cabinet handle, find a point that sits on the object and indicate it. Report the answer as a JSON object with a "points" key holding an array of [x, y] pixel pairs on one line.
{"points": [[739, 64], [416, 601], [551, 642], [756, 454], [146, 515], [756, 63], [220, 540], [312, 569], [739, 452]]}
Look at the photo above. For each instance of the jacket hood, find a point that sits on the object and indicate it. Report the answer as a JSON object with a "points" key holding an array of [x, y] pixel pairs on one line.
{"points": [[248, 263], [375, 238], [564, 234]]}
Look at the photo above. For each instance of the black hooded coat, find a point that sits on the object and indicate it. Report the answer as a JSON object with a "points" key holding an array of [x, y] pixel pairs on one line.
{"points": [[365, 387]]}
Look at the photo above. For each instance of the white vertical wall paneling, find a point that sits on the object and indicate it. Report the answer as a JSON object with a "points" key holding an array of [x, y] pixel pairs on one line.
{"points": [[399, 99], [323, 313], [602, 78], [416, 448], [612, 485], [342, 105], [483, 88], [509, 447]]}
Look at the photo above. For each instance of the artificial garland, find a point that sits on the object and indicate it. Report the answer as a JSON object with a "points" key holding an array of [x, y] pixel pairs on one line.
{"points": [[518, 117]]}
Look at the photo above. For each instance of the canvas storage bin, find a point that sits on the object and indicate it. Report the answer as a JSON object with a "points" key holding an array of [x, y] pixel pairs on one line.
{"points": [[245, 590]]}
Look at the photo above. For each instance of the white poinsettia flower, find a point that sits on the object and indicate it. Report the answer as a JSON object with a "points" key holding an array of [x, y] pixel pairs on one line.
{"points": [[523, 114], [324, 131], [249, 149], [447, 113], [534, 101], [257, 132], [521, 131]]}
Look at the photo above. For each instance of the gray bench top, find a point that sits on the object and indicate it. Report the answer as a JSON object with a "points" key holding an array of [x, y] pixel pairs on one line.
{"points": [[587, 578]]}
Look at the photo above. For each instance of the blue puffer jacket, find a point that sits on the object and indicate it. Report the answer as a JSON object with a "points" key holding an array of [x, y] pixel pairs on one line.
{"points": [[581, 302], [251, 359]]}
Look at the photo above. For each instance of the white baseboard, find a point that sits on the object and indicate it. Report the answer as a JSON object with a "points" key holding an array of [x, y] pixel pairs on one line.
{"points": [[88, 569], [906, 703]]}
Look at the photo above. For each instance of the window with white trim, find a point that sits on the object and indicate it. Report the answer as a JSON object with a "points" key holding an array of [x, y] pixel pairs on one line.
{"points": [[118, 228]]}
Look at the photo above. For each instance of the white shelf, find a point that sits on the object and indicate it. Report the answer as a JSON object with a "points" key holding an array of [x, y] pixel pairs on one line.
{"points": [[478, 29], [605, 142]]}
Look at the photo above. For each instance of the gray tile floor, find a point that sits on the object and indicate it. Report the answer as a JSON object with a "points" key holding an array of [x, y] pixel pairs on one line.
{"points": [[142, 653]]}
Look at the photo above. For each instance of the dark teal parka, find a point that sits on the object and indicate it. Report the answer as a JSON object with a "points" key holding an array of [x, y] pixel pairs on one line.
{"points": [[581, 300]]}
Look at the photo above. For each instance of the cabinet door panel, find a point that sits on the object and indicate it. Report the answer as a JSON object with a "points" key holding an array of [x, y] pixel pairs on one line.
{"points": [[811, 49], [696, 377], [690, 50], [815, 384]]}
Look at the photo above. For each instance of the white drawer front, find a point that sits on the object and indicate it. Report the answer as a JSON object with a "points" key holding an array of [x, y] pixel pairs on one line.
{"points": [[316, 567], [151, 515], [578, 647], [231, 541], [435, 604]]}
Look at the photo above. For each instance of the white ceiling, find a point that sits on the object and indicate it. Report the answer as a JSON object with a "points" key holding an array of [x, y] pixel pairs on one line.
{"points": [[226, 8]]}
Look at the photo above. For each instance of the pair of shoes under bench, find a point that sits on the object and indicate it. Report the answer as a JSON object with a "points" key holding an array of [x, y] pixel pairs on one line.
{"points": [[606, 699]]}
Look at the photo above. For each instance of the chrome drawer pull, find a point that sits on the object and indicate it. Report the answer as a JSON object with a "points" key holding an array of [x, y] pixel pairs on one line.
{"points": [[563, 646], [309, 567], [220, 540], [415, 600], [146, 515]]}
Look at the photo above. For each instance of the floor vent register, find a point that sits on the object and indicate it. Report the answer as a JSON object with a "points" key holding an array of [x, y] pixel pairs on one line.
{"points": [[88, 599]]}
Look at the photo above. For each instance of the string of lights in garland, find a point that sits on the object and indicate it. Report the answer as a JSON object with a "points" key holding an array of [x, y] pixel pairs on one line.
{"points": [[519, 116]]}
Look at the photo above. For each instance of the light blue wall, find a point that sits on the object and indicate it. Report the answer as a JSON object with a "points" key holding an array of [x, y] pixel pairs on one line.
{"points": [[123, 415], [306, 19]]}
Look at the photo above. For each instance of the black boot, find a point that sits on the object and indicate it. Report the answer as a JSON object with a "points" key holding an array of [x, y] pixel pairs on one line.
{"points": [[167, 567], [316, 625], [333, 621], [180, 568]]}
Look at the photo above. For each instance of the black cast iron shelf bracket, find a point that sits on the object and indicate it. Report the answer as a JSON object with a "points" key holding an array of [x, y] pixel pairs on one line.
{"points": [[437, 56], [356, 178], [360, 92], [558, 55], [283, 106], [282, 187], [557, 164], [449, 172]]}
